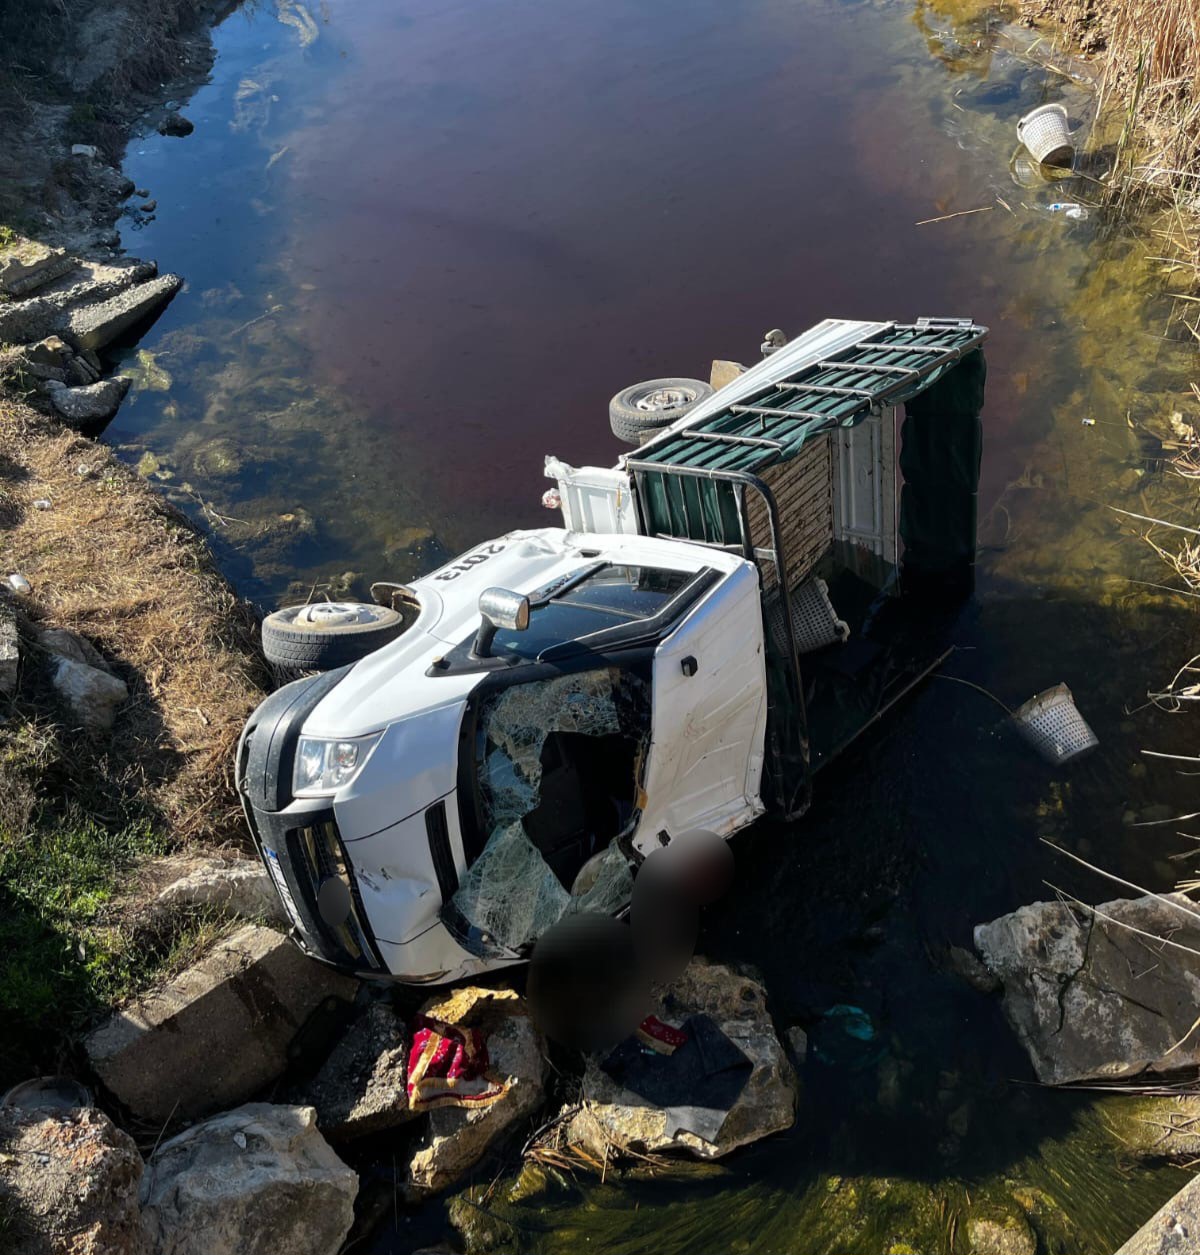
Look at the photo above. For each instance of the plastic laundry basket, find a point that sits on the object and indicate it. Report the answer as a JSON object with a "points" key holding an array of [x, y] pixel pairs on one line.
{"points": [[1047, 135], [1052, 725]]}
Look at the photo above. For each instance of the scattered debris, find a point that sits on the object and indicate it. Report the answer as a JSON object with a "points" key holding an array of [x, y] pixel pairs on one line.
{"points": [[20, 584], [745, 1103], [259, 1178], [1046, 132], [459, 1133], [218, 1032], [1086, 994]]}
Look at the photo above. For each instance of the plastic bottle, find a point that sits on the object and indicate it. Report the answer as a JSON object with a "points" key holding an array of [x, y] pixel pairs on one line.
{"points": [[1069, 208]]}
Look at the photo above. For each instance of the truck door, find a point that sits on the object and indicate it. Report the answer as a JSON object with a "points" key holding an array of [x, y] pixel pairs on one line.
{"points": [[708, 718]]}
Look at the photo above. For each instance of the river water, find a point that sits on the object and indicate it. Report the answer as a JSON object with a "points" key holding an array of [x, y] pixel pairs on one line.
{"points": [[424, 243]]}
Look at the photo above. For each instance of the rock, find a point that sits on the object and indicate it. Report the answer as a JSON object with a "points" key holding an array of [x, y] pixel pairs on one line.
{"points": [[26, 265], [966, 966], [218, 1032], [1007, 1234], [236, 887], [1173, 1230], [52, 351], [1083, 994], [90, 151], [93, 403], [458, 1138], [260, 1180], [724, 372], [10, 651], [360, 1087], [616, 1117], [70, 645], [481, 1229], [150, 206], [92, 694], [797, 1043], [68, 1183], [94, 326], [79, 371], [175, 124]]}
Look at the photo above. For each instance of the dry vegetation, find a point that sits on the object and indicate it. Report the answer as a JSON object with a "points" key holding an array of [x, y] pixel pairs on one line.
{"points": [[110, 560]]}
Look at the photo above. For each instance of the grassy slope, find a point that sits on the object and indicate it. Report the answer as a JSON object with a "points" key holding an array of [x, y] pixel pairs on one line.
{"points": [[110, 560]]}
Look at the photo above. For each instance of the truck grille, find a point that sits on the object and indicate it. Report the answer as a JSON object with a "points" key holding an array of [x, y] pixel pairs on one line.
{"points": [[316, 853]]}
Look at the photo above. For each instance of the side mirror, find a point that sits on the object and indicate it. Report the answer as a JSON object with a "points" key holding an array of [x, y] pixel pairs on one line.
{"points": [[499, 608]]}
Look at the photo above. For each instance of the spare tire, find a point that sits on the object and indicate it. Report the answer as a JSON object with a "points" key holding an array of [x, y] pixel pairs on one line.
{"points": [[327, 634], [641, 410]]}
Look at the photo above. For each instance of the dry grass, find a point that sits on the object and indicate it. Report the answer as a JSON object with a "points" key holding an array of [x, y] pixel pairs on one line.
{"points": [[110, 560]]}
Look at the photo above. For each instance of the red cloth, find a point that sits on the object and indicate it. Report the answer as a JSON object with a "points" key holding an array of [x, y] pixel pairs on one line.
{"points": [[448, 1066], [661, 1037]]}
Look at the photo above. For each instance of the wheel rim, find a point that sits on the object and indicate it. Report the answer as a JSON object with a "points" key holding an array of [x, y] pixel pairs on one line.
{"points": [[332, 614], [664, 399]]}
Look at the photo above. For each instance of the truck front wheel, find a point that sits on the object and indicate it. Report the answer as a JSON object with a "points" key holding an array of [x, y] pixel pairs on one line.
{"points": [[645, 408]]}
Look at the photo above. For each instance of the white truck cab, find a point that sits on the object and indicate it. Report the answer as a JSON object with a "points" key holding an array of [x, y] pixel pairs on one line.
{"points": [[556, 703]]}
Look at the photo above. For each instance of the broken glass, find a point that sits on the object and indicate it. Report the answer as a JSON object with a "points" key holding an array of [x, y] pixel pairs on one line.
{"points": [[512, 892]]}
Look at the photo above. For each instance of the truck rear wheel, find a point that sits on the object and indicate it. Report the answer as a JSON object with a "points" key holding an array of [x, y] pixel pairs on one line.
{"points": [[645, 408], [327, 634]]}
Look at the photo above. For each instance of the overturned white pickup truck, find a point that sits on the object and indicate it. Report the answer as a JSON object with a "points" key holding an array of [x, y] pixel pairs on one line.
{"points": [[501, 742]]}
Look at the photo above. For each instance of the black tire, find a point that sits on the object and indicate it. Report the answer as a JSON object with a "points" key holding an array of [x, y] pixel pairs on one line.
{"points": [[291, 640], [645, 408]]}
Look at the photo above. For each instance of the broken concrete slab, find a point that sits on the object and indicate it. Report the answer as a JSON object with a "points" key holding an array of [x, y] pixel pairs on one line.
{"points": [[458, 1138], [92, 403], [69, 1181], [94, 326], [360, 1087], [615, 1117], [1088, 996], [1173, 1230], [26, 265], [257, 1179], [48, 311], [217, 1033], [238, 888], [93, 695]]}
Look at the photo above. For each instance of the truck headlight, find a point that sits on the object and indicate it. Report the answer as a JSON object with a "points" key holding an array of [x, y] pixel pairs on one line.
{"points": [[323, 766]]}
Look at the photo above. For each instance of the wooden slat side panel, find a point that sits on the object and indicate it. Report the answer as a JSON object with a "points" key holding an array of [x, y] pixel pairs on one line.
{"points": [[803, 491]]}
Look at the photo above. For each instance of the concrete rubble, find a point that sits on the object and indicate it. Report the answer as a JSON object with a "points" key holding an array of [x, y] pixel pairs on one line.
{"points": [[1090, 997], [58, 308], [237, 888], [1173, 1230], [616, 1118], [360, 1088], [69, 1182], [457, 1138], [259, 1180], [216, 1034]]}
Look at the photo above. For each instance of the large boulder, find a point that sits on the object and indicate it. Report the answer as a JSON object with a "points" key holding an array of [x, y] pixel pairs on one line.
{"points": [[616, 1118], [360, 1088], [457, 1138], [218, 1032], [1103, 993], [1173, 1230], [260, 1180], [68, 1184]]}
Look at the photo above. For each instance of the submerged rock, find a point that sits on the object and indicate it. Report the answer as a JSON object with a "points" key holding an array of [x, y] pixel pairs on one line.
{"points": [[1089, 998], [218, 1032], [1154, 1129], [260, 1180], [1173, 1230], [175, 124], [615, 1117], [1007, 1234], [68, 1182], [93, 403], [457, 1137]]}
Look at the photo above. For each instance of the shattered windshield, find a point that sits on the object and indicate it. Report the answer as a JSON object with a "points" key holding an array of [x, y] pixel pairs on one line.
{"points": [[557, 768], [606, 597]]}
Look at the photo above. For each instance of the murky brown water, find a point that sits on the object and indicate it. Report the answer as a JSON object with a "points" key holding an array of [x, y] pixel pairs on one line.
{"points": [[425, 243]]}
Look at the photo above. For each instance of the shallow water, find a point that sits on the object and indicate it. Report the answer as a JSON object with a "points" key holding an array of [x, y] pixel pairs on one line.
{"points": [[425, 243]]}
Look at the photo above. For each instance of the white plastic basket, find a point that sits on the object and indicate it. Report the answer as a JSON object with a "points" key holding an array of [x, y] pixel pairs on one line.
{"points": [[1052, 725], [1047, 135], [815, 623]]}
